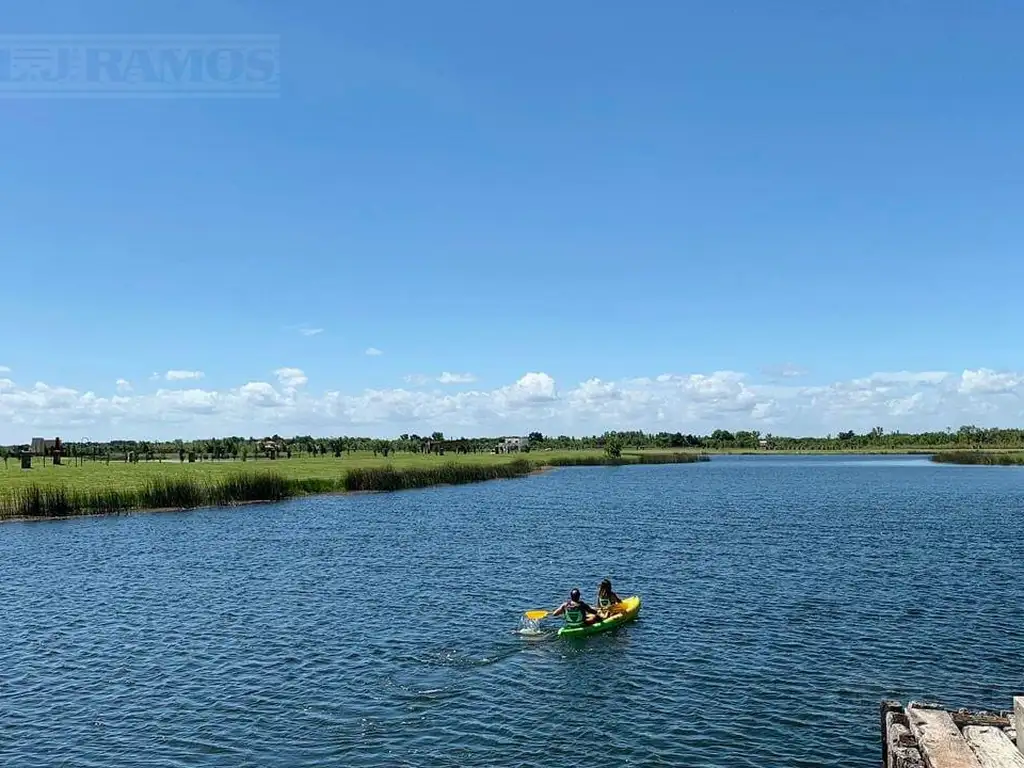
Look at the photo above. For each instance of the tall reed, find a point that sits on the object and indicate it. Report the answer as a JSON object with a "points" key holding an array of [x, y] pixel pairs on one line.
{"points": [[673, 457], [586, 461], [664, 457], [978, 457], [452, 473], [45, 501]]}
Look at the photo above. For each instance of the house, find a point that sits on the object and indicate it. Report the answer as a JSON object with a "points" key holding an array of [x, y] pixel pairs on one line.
{"points": [[270, 447], [43, 447], [513, 444]]}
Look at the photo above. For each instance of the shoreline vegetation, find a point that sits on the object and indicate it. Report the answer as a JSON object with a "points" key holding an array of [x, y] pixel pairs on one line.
{"points": [[875, 440], [87, 488], [178, 491], [50, 478], [987, 458]]}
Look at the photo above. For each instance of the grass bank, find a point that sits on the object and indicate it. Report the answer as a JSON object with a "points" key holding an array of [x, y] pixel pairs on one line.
{"points": [[51, 501], [1007, 459], [453, 473], [639, 457], [99, 488], [847, 451]]}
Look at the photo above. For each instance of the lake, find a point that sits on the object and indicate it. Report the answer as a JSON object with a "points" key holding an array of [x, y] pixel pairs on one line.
{"points": [[783, 598]]}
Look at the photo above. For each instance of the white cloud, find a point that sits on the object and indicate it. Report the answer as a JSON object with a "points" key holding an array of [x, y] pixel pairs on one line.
{"points": [[786, 370], [123, 386], [180, 401], [689, 402], [533, 388], [183, 375], [4, 369], [419, 379], [310, 331], [291, 378], [373, 352], [985, 381], [260, 394], [456, 378]]}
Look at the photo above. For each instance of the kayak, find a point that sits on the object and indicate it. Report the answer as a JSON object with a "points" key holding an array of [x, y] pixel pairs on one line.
{"points": [[624, 611]]}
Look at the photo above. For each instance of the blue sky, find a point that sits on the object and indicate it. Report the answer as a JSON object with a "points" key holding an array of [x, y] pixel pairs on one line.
{"points": [[576, 190]]}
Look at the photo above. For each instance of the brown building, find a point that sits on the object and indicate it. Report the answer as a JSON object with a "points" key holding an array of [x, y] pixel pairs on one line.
{"points": [[42, 446]]}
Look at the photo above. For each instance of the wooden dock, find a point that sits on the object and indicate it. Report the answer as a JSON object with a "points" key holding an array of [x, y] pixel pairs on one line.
{"points": [[923, 735]]}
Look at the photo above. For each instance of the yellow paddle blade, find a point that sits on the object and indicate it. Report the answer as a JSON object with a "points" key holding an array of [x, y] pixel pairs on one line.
{"points": [[534, 615]]}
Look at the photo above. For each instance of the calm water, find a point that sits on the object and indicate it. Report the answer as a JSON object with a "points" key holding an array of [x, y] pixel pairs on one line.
{"points": [[783, 598]]}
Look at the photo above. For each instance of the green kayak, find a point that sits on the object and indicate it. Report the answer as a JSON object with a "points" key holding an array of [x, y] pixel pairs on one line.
{"points": [[624, 611]]}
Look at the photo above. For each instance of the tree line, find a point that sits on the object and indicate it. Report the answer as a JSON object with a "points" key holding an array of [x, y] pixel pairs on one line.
{"points": [[276, 446], [966, 437]]}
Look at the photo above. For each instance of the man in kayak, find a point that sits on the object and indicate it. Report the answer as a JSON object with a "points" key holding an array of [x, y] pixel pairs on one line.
{"points": [[577, 612]]}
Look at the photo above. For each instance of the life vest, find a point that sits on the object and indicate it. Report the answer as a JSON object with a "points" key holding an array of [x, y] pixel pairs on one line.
{"points": [[573, 617]]}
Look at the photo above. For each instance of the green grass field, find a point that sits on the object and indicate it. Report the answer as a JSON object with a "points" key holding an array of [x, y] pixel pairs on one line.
{"points": [[98, 487], [93, 476], [47, 490], [99, 476]]}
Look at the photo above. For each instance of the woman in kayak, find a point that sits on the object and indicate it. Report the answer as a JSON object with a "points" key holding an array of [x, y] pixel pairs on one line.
{"points": [[576, 612], [606, 598]]}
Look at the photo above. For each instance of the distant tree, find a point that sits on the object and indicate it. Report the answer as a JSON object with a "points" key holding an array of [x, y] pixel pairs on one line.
{"points": [[745, 439], [967, 436], [613, 446]]}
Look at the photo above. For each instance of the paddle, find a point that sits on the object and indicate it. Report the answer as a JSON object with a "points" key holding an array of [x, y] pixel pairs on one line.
{"points": [[537, 615]]}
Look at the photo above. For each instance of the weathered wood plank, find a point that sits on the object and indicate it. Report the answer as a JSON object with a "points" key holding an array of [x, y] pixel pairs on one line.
{"points": [[940, 741], [901, 750], [1018, 720], [889, 710], [963, 717], [993, 748]]}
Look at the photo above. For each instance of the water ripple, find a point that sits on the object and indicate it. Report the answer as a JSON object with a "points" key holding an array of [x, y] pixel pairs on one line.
{"points": [[782, 599]]}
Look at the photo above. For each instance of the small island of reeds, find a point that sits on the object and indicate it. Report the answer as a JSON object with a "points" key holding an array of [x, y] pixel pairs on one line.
{"points": [[991, 458]]}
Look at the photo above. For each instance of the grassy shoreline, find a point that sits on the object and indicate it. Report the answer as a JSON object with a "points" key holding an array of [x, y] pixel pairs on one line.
{"points": [[181, 487], [852, 451], [98, 488], [982, 458]]}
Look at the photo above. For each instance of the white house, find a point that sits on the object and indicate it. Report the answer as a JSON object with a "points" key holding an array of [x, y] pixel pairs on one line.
{"points": [[513, 444]]}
